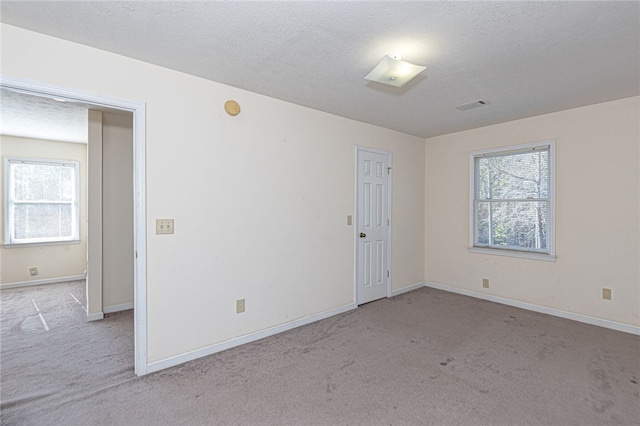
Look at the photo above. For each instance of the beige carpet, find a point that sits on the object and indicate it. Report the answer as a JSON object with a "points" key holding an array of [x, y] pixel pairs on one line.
{"points": [[425, 357]]}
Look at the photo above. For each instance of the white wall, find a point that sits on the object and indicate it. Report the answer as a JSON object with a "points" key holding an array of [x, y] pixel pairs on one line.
{"points": [[117, 210], [598, 217], [110, 282], [259, 200], [53, 261], [94, 215]]}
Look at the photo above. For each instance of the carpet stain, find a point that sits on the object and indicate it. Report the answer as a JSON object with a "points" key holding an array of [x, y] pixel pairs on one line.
{"points": [[445, 363], [512, 319], [347, 364], [30, 323], [601, 386], [601, 406]]}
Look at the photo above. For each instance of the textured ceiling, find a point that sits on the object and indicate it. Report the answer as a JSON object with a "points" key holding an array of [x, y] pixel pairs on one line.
{"points": [[42, 118], [525, 58]]}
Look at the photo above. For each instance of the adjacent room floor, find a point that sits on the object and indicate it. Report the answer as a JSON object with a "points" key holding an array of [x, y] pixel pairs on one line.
{"points": [[424, 357]]}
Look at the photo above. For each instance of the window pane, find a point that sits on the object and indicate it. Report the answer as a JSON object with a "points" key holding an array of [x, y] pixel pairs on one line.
{"points": [[517, 176], [43, 221], [483, 223], [43, 182], [520, 224]]}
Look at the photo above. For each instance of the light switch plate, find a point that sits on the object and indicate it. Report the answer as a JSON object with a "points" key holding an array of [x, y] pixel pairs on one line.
{"points": [[164, 226]]}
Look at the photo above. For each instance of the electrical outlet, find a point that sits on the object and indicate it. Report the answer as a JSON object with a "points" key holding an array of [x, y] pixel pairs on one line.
{"points": [[240, 306], [485, 282], [33, 270], [164, 226], [606, 293]]}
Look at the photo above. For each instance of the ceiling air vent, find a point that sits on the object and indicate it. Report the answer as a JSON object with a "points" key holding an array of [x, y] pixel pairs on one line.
{"points": [[474, 104]]}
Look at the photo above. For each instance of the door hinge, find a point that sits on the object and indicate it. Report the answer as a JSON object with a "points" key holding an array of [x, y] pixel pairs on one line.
{"points": [[387, 274], [388, 222], [136, 254]]}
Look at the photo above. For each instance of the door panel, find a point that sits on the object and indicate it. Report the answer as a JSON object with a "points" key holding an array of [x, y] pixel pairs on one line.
{"points": [[372, 226]]}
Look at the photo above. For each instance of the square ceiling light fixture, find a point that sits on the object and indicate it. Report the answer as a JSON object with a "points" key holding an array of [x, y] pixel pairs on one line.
{"points": [[392, 70]]}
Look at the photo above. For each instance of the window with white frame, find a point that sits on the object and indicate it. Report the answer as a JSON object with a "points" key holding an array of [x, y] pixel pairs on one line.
{"points": [[512, 200], [41, 201]]}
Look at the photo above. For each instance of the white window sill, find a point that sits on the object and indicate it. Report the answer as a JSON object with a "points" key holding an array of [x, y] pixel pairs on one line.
{"points": [[513, 253], [40, 244]]}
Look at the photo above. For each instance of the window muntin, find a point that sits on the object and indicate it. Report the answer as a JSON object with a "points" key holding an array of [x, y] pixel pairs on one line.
{"points": [[512, 199], [41, 201]]}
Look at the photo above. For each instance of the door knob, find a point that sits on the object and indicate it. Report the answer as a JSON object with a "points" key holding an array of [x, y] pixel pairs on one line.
{"points": [[362, 235]]}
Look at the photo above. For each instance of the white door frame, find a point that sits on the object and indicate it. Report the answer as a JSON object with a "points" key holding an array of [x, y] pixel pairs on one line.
{"points": [[389, 155], [139, 180]]}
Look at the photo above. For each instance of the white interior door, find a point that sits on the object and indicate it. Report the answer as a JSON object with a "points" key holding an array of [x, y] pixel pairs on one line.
{"points": [[372, 224]]}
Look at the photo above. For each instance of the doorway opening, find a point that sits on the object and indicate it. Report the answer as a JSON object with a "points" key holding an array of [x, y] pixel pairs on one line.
{"points": [[137, 110]]}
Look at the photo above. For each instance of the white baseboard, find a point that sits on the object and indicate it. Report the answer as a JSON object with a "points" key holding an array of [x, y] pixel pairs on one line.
{"points": [[627, 328], [95, 317], [209, 350], [41, 282], [117, 308], [407, 289]]}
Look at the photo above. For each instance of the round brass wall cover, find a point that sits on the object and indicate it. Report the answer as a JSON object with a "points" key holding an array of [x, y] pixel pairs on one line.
{"points": [[232, 108]]}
